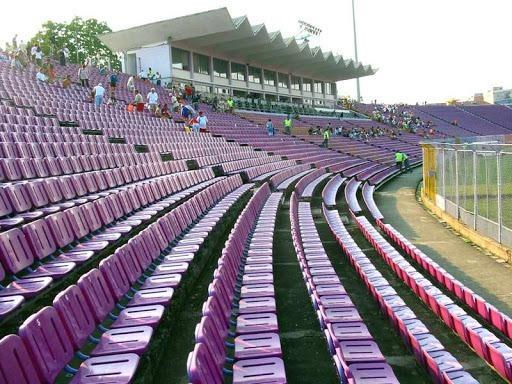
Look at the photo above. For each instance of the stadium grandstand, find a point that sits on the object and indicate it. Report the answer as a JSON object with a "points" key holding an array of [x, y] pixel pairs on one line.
{"points": [[243, 226]]}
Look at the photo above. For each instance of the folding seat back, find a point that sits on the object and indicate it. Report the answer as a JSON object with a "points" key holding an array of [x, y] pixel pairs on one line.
{"points": [[104, 212], [15, 253], [86, 163], [129, 261], [159, 235], [60, 228], [99, 177], [49, 347], [90, 182], [16, 366], [78, 183], [201, 368], [152, 243], [141, 251], [66, 165], [5, 204], [134, 199], [75, 315], [53, 166], [91, 216], [125, 202], [142, 194], [40, 168], [11, 170], [207, 333], [77, 222], [67, 188], [110, 179], [39, 238], [117, 280], [52, 189], [97, 294], [37, 193], [115, 206], [126, 175], [19, 197]]}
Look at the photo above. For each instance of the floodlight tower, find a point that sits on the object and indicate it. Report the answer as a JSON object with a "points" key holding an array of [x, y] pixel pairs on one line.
{"points": [[355, 49], [306, 31]]}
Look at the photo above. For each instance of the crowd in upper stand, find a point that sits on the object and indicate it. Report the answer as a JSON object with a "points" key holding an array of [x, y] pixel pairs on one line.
{"points": [[400, 117]]}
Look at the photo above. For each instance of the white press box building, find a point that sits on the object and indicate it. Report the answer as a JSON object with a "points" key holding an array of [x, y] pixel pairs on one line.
{"points": [[225, 55]]}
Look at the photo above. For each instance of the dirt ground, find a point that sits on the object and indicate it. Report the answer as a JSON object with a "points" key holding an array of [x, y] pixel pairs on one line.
{"points": [[487, 275]]}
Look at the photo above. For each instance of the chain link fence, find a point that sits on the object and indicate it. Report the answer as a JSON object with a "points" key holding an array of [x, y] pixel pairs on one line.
{"points": [[472, 182]]}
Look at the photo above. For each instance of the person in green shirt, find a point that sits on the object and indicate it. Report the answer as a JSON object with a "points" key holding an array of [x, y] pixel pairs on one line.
{"points": [[287, 124], [231, 104], [399, 160], [327, 136]]}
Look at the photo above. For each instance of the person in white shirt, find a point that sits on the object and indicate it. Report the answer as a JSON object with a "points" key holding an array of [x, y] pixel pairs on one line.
{"points": [[130, 84], [41, 76], [152, 99], [99, 92], [142, 74], [33, 51], [202, 121]]}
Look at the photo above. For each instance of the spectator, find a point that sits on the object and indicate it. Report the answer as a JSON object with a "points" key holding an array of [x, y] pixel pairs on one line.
{"points": [[192, 124], [113, 83], [63, 55], [33, 51], [215, 103], [158, 78], [66, 83], [399, 160], [327, 136], [83, 75], [51, 73], [270, 127], [130, 84], [99, 92], [151, 74], [189, 91], [39, 56], [202, 121], [143, 75], [152, 99], [174, 103], [165, 112], [138, 101], [187, 111], [231, 104], [41, 76], [158, 111], [287, 123], [407, 165]]}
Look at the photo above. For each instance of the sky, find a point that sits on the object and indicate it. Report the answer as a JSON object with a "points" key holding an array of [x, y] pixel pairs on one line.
{"points": [[430, 51]]}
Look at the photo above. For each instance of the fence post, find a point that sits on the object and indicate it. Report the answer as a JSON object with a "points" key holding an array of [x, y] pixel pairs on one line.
{"points": [[500, 213], [444, 178], [475, 192], [457, 181]]}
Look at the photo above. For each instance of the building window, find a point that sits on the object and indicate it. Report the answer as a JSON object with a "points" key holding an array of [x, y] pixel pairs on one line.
{"points": [[201, 88], [238, 71], [180, 59], [201, 64], [221, 91], [269, 77], [306, 85], [220, 68], [318, 87], [283, 80], [295, 83], [255, 75], [328, 90]]}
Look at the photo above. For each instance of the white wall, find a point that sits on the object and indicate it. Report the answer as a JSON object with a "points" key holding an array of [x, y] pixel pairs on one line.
{"points": [[155, 57]]}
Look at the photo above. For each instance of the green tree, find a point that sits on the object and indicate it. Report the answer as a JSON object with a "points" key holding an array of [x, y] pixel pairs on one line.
{"points": [[80, 37]]}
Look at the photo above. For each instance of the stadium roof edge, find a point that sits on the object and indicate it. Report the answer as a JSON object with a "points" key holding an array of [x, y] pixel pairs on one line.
{"points": [[217, 31]]}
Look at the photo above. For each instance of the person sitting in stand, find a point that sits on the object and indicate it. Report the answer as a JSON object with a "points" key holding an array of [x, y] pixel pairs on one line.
{"points": [[165, 112], [41, 76], [66, 83], [202, 122]]}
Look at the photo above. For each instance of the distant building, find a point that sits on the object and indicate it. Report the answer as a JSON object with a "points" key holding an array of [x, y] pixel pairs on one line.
{"points": [[219, 54], [498, 95], [478, 98]]}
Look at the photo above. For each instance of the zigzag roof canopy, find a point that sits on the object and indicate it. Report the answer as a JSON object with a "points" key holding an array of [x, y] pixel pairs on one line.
{"points": [[217, 32]]}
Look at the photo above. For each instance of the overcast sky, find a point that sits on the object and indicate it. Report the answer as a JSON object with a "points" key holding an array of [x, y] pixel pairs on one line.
{"points": [[425, 50]]}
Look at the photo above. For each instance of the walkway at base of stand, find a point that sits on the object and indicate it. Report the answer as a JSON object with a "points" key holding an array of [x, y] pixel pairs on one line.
{"points": [[487, 275]]}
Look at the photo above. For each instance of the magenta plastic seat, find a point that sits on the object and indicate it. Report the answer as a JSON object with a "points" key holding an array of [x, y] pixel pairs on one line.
{"points": [[359, 351], [371, 373], [257, 290], [152, 296], [257, 304], [341, 314], [136, 316], [458, 377], [124, 340], [256, 322], [118, 369], [9, 304], [441, 361], [255, 371], [257, 345], [16, 366]]}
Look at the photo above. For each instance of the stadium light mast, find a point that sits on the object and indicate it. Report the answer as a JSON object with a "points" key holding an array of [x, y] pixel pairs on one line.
{"points": [[355, 49]]}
